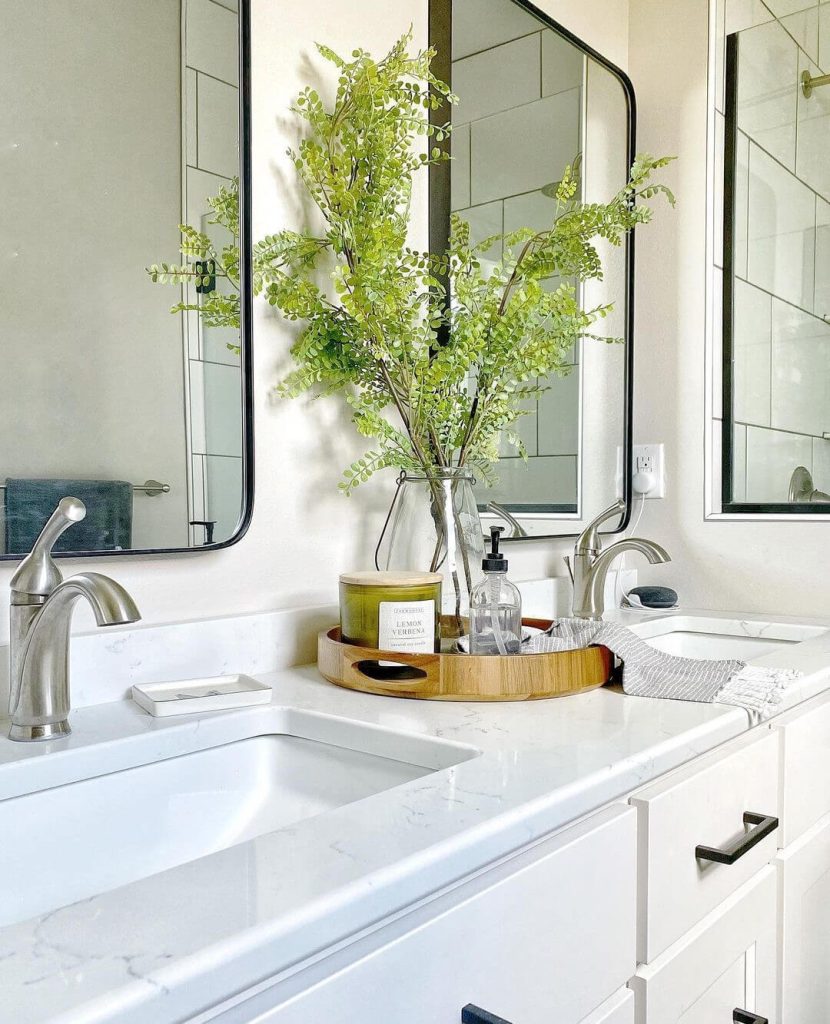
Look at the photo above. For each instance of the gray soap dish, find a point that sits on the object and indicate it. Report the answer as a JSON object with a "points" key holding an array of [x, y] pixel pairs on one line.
{"points": [[188, 696]]}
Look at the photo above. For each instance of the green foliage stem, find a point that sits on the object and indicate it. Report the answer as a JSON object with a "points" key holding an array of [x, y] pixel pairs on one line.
{"points": [[434, 381]]}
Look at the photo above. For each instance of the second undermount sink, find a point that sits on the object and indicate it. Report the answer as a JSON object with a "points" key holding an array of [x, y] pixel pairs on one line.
{"points": [[709, 638], [79, 822]]}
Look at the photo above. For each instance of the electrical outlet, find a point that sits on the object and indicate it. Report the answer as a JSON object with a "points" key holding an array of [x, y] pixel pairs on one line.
{"points": [[649, 471], [644, 462]]}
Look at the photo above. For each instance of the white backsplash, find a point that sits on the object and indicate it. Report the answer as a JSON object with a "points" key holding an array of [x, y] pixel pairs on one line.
{"points": [[105, 663]]}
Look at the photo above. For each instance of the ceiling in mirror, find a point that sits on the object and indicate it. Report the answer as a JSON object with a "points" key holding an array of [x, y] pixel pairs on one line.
{"points": [[120, 122], [533, 100]]}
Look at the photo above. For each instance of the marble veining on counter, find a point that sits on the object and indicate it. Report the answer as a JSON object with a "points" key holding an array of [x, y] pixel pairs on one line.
{"points": [[170, 946]]}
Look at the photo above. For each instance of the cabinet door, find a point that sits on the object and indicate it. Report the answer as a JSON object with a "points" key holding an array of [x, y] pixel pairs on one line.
{"points": [[804, 888], [806, 767], [547, 935], [727, 962], [704, 803]]}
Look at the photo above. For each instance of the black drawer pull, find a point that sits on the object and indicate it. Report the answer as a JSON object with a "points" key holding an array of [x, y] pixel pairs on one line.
{"points": [[745, 1017], [475, 1015], [762, 826]]}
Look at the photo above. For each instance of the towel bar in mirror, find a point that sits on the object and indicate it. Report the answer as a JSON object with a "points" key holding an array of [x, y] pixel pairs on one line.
{"points": [[150, 487]]}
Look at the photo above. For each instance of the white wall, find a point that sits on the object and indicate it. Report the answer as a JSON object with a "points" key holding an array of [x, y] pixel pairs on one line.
{"points": [[303, 532], [752, 564]]}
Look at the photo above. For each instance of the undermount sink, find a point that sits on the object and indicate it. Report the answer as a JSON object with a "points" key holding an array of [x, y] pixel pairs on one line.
{"points": [[691, 636], [80, 822]]}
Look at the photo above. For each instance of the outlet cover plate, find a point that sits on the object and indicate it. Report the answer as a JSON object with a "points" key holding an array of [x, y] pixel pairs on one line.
{"points": [[650, 458]]}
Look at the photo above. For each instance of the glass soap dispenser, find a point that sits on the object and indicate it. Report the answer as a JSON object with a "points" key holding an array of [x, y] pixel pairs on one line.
{"points": [[495, 606]]}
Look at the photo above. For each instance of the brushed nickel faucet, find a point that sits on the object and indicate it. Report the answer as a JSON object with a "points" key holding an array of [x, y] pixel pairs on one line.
{"points": [[41, 612], [591, 563], [516, 528]]}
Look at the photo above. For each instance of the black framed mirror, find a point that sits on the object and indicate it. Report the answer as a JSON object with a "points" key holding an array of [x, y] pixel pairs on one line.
{"points": [[123, 385], [533, 98], [776, 273]]}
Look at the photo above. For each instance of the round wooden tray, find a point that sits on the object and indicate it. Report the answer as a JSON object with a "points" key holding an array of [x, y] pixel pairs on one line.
{"points": [[463, 676]]}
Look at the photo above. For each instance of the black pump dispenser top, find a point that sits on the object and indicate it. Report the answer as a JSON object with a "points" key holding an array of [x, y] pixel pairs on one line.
{"points": [[494, 560]]}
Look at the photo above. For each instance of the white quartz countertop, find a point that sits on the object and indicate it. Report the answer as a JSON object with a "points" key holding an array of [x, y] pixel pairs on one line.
{"points": [[172, 945]]}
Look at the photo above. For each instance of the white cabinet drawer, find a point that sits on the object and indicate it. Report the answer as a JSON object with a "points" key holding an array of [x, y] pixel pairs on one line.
{"points": [[728, 961], [804, 893], [701, 804], [546, 935], [806, 758]]}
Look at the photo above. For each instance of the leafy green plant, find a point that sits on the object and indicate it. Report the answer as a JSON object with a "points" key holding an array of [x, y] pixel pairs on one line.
{"points": [[455, 372], [217, 309], [436, 355]]}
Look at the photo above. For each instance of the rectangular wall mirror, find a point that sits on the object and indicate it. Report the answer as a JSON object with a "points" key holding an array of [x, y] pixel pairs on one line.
{"points": [[532, 100], [122, 119], [776, 265]]}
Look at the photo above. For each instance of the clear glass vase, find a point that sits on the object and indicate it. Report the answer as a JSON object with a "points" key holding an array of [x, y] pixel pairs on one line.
{"points": [[433, 525]]}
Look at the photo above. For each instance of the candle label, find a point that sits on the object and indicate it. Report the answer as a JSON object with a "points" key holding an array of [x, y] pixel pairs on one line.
{"points": [[406, 626]]}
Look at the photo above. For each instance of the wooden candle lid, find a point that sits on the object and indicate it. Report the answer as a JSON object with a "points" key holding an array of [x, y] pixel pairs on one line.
{"points": [[390, 578]]}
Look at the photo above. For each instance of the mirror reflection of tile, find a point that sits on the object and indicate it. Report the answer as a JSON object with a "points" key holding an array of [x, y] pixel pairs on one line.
{"points": [[781, 249], [521, 119], [515, 80]]}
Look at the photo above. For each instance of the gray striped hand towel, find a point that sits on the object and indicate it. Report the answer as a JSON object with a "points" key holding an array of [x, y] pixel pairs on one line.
{"points": [[651, 673]]}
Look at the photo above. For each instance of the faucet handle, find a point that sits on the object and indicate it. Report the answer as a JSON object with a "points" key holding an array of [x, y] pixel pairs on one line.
{"points": [[589, 541], [38, 575]]}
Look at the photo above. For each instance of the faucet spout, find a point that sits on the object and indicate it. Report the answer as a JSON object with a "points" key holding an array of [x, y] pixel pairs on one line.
{"points": [[110, 602], [591, 573], [39, 698]]}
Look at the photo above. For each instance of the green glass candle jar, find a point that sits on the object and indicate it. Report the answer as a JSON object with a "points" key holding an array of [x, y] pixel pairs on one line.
{"points": [[391, 611]]}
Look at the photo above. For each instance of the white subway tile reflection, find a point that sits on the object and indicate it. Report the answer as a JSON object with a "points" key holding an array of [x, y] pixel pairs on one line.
{"points": [[767, 89], [800, 377], [782, 230], [771, 457], [751, 341]]}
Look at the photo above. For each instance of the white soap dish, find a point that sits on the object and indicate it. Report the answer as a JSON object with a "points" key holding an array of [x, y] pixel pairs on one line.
{"points": [[188, 696]]}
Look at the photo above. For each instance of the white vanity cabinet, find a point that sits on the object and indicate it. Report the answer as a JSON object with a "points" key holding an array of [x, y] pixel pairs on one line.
{"points": [[753, 934], [703, 803], [704, 900], [805, 753], [546, 935], [727, 962], [804, 904], [707, 900], [803, 865]]}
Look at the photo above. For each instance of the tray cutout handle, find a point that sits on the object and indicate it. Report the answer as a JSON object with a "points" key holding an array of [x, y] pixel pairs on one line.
{"points": [[389, 671]]}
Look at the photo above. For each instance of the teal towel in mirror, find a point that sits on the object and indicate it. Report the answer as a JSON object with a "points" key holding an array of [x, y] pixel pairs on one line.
{"points": [[109, 514]]}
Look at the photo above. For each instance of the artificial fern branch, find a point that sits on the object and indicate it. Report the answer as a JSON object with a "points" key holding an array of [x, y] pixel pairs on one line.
{"points": [[430, 342]]}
